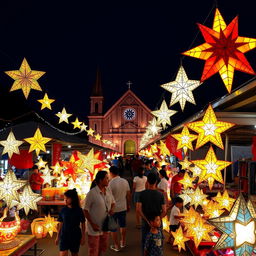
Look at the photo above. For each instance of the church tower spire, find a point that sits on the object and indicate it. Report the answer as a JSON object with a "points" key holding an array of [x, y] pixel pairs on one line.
{"points": [[97, 88]]}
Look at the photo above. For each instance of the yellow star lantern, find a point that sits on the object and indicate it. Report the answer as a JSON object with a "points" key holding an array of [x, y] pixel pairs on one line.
{"points": [[185, 139], [153, 127], [46, 170], [187, 182], [181, 89], [88, 161], [225, 202], [154, 148], [190, 217], [83, 127], [209, 129], [9, 187], [186, 195], [90, 132], [195, 170], [211, 168], [25, 78], [179, 239], [28, 200], [197, 197], [56, 168], [63, 180], [97, 137], [77, 124], [185, 163], [199, 231], [212, 210], [41, 163], [164, 151], [37, 142], [163, 114], [46, 102], [48, 178], [11, 145], [50, 224], [63, 116]]}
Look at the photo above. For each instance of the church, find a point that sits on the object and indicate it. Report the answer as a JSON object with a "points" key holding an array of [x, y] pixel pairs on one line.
{"points": [[124, 123]]}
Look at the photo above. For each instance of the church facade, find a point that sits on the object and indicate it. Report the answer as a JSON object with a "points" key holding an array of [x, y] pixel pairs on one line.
{"points": [[124, 123]]}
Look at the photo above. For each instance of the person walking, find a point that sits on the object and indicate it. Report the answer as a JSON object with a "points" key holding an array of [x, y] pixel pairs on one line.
{"points": [[163, 184], [122, 195], [99, 203], [139, 185], [151, 203], [70, 236]]}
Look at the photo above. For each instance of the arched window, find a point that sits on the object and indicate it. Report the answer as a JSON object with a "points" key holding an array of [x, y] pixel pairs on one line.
{"points": [[96, 107]]}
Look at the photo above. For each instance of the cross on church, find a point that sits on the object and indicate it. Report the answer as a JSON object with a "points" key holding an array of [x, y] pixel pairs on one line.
{"points": [[129, 83]]}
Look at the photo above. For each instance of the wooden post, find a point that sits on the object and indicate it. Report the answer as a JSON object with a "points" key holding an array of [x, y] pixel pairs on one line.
{"points": [[226, 158]]}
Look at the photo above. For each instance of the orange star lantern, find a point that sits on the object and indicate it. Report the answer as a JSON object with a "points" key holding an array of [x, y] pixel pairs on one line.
{"points": [[209, 129], [225, 202], [211, 168], [179, 239], [212, 210], [190, 217], [184, 139], [187, 182], [223, 50]]}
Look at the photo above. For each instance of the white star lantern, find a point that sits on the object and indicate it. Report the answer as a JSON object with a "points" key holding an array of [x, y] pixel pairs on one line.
{"points": [[153, 128], [181, 89]]}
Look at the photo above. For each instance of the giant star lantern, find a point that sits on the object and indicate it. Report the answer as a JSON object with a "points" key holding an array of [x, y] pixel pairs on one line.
{"points": [[209, 129], [164, 151], [50, 224], [187, 181], [225, 202], [88, 161], [163, 114], [77, 124], [37, 142], [238, 228], [179, 239], [28, 200], [73, 167], [9, 187], [25, 78], [181, 89], [184, 139], [11, 145], [153, 127], [198, 197], [190, 217], [46, 102], [223, 50], [63, 116], [211, 168]]}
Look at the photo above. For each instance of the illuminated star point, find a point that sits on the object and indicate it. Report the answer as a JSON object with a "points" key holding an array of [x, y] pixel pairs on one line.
{"points": [[46, 102]]}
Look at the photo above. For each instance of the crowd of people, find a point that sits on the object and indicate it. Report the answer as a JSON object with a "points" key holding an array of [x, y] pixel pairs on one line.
{"points": [[103, 214]]}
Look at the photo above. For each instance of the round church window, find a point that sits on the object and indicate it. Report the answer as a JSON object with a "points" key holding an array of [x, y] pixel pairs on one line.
{"points": [[129, 114]]}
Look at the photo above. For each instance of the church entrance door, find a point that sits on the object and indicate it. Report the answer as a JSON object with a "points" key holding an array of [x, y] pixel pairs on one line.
{"points": [[129, 147]]}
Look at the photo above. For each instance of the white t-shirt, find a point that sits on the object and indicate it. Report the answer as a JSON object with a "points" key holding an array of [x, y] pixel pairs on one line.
{"points": [[140, 183], [95, 204], [163, 184], [174, 212], [119, 188]]}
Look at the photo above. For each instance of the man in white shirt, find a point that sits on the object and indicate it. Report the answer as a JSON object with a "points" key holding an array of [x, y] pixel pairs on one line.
{"points": [[99, 203], [121, 191]]}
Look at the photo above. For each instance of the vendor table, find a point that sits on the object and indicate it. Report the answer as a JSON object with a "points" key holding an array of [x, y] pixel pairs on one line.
{"points": [[28, 243], [45, 202]]}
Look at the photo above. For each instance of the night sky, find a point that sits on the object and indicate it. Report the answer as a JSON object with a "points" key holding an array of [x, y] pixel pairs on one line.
{"points": [[137, 42]]}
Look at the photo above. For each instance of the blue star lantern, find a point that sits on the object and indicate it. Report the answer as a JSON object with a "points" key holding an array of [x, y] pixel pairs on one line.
{"points": [[238, 228]]}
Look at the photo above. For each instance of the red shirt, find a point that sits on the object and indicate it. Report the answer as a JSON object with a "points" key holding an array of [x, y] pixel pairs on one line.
{"points": [[177, 187], [36, 177]]}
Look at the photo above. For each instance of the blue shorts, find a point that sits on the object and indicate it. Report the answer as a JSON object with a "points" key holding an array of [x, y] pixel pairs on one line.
{"points": [[136, 197], [120, 218]]}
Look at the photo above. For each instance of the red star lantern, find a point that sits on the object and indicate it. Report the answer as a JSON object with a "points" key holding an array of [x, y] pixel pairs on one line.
{"points": [[223, 50]]}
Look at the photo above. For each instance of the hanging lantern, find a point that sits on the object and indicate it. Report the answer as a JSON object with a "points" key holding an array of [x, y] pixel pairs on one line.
{"points": [[38, 229]]}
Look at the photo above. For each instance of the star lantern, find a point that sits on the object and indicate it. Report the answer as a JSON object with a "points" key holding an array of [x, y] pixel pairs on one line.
{"points": [[48, 178], [223, 50], [195, 170], [28, 199], [90, 132], [37, 142], [179, 239], [154, 148], [185, 139], [199, 231], [197, 197], [9, 187], [56, 168], [11, 145], [63, 116], [41, 163], [190, 217], [97, 137], [238, 228], [83, 127], [187, 181], [153, 127], [209, 129], [211, 168], [163, 114], [25, 78], [77, 124], [186, 195], [185, 163], [181, 89], [225, 202], [212, 210], [50, 224], [73, 167], [62, 179], [46, 102], [89, 161], [46, 170], [164, 151]]}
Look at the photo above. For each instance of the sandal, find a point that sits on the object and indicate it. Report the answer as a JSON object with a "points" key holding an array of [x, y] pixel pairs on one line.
{"points": [[113, 248]]}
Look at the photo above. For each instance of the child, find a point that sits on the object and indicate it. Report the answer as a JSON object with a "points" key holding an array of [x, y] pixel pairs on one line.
{"points": [[175, 214], [69, 235], [154, 240]]}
